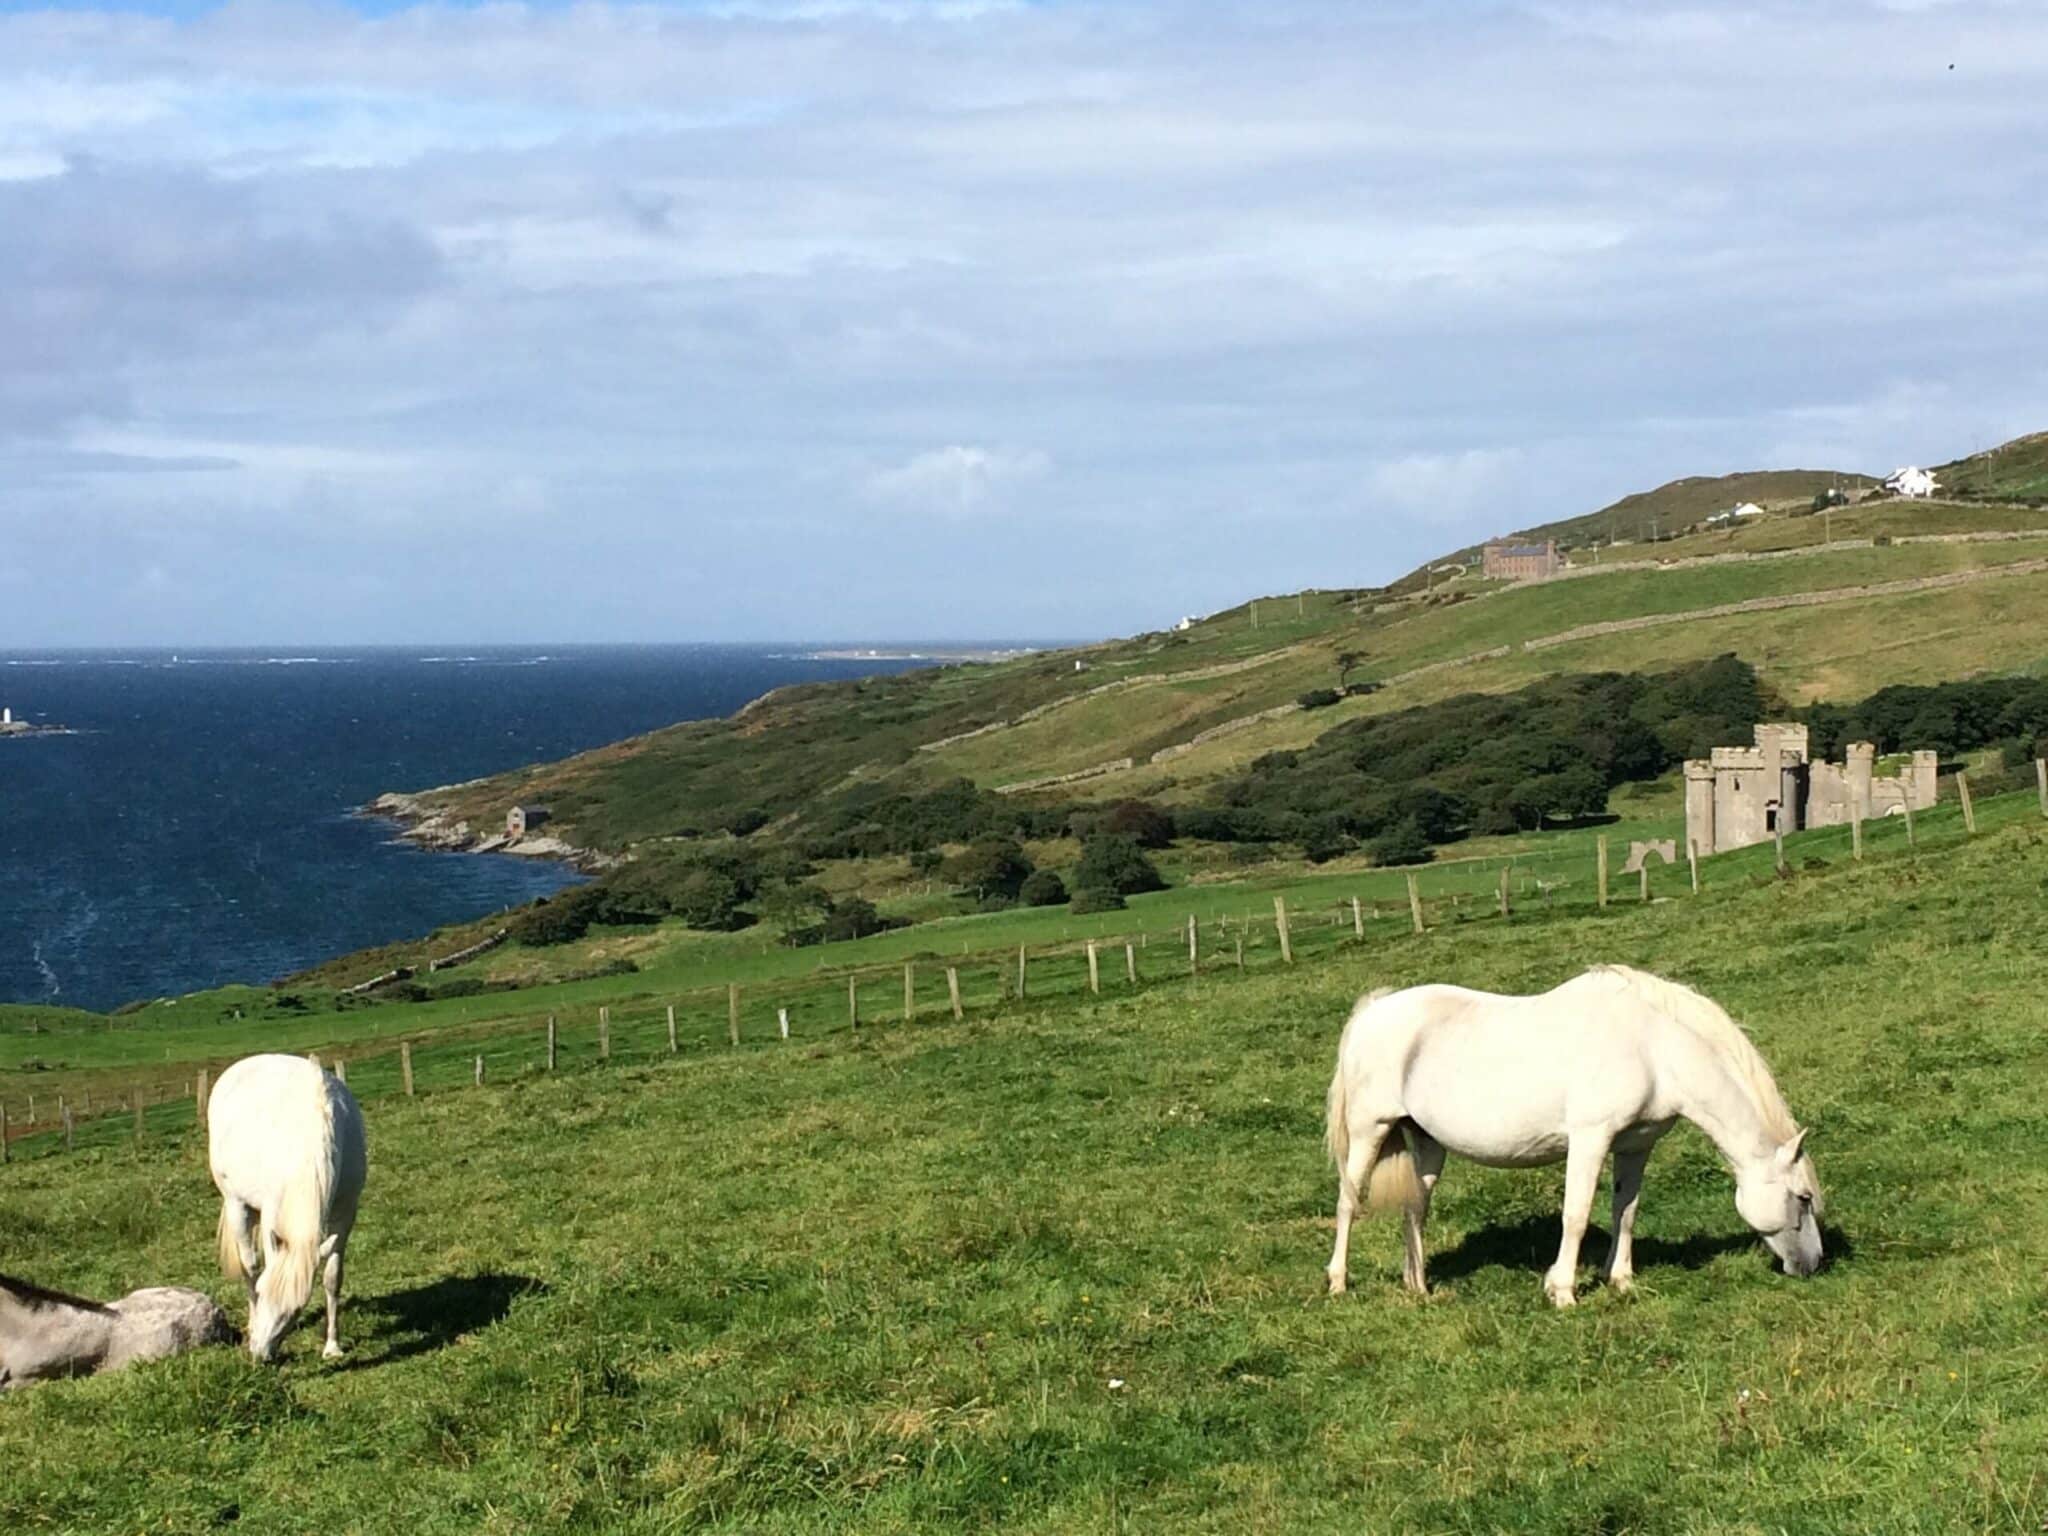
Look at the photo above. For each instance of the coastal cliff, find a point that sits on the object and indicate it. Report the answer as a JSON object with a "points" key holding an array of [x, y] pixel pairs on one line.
{"points": [[444, 833]]}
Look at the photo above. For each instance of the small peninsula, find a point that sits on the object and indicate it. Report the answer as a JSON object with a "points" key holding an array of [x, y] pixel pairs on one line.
{"points": [[11, 727]]}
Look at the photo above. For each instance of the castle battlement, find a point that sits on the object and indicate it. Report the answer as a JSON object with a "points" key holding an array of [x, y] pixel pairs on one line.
{"points": [[1741, 795]]}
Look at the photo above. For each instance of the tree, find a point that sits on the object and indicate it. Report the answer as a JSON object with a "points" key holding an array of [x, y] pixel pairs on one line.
{"points": [[710, 899], [1086, 901], [1116, 864], [1319, 698], [1043, 889], [1347, 662], [1402, 843], [1142, 822], [990, 867]]}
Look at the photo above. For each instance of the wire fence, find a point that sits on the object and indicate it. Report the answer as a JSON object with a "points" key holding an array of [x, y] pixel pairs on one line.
{"points": [[836, 1002]]}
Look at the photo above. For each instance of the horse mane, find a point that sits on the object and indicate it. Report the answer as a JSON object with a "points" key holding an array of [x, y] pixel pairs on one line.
{"points": [[36, 1297], [1708, 1021]]}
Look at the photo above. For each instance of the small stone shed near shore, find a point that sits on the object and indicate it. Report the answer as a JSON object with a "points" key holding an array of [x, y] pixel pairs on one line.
{"points": [[522, 819]]}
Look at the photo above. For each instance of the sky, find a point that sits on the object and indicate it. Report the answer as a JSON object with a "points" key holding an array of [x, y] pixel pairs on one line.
{"points": [[872, 319]]}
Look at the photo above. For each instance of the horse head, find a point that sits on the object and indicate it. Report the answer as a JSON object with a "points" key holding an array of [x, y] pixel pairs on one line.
{"points": [[1779, 1196]]}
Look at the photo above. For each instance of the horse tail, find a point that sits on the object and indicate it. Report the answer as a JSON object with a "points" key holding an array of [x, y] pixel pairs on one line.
{"points": [[1395, 1184], [292, 1230], [230, 1243], [1392, 1181]]}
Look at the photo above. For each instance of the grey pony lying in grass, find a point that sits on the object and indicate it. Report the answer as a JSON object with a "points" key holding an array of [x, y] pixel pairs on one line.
{"points": [[46, 1333], [1607, 1062]]}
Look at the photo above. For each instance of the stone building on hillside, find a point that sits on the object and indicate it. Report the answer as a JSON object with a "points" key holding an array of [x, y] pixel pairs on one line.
{"points": [[1502, 561], [522, 819], [1742, 795]]}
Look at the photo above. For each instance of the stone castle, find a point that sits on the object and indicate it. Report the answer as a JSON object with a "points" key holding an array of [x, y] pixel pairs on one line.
{"points": [[1743, 795]]}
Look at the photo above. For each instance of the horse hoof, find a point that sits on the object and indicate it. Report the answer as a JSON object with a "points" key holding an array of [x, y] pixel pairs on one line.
{"points": [[333, 1351], [1337, 1285], [1623, 1284], [1560, 1295]]}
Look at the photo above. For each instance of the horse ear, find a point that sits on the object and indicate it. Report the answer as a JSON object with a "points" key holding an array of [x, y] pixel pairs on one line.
{"points": [[1789, 1153]]}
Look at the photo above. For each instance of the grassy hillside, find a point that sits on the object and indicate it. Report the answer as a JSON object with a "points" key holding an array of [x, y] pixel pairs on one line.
{"points": [[2014, 471], [1016, 723], [1058, 1268]]}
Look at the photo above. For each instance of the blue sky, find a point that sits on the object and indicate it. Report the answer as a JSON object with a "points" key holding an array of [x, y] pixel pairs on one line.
{"points": [[874, 318]]}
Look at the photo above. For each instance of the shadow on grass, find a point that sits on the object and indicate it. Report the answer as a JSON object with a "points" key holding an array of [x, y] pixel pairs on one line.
{"points": [[424, 1318], [1531, 1244]]}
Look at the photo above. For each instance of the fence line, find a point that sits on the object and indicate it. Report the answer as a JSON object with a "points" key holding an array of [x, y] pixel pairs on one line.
{"points": [[807, 1007]]}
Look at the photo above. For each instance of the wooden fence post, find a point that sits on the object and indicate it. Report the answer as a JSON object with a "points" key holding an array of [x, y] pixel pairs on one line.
{"points": [[1240, 949], [953, 985], [909, 990], [340, 1070], [1357, 919], [604, 1034], [1020, 973], [852, 1003], [67, 1124], [1856, 833], [1778, 839], [551, 1042], [671, 1029], [479, 1071], [405, 1065], [314, 1058], [1280, 922], [138, 1117], [1094, 976], [1504, 909], [732, 1012], [1969, 810], [3, 1133], [1131, 963], [1912, 842], [1415, 902], [199, 1098], [782, 1021], [1603, 868], [1692, 859], [1194, 962], [2041, 778], [1643, 869]]}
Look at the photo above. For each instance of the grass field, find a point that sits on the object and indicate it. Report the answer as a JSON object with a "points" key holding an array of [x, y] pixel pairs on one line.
{"points": [[1057, 1268]]}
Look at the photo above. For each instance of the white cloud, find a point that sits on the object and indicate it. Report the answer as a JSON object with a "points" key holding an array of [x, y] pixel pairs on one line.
{"points": [[1318, 287], [958, 478]]}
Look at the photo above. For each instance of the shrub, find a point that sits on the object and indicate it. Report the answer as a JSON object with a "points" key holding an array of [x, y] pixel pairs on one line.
{"points": [[990, 866], [709, 898], [1318, 698], [853, 918], [1326, 840], [1043, 889], [1142, 822], [1095, 900], [1402, 843], [1116, 864]]}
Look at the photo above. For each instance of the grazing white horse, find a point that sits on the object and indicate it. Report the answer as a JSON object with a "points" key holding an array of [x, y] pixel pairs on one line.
{"points": [[286, 1144], [1608, 1062], [46, 1333]]}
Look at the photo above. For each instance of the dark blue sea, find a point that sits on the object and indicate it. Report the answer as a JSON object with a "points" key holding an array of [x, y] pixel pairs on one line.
{"points": [[200, 827]]}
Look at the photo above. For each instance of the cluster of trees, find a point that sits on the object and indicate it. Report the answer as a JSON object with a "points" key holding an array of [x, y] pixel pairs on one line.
{"points": [[2010, 713], [869, 820], [996, 872], [1481, 763], [719, 888]]}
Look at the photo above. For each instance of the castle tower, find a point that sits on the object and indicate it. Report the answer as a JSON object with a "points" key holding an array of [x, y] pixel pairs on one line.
{"points": [[1699, 805], [1860, 758]]}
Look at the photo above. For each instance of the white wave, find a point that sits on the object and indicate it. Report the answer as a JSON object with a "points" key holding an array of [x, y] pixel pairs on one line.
{"points": [[50, 981]]}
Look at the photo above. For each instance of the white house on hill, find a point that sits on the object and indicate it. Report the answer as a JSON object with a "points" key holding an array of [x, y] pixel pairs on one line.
{"points": [[1911, 481], [1749, 509]]}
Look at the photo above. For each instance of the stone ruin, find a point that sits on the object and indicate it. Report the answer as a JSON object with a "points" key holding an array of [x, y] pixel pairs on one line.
{"points": [[1744, 795]]}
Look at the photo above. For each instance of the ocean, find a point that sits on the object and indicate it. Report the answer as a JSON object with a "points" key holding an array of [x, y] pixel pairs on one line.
{"points": [[199, 827]]}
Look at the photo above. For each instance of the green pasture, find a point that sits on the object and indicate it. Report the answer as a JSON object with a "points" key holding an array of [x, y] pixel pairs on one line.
{"points": [[1057, 1267]]}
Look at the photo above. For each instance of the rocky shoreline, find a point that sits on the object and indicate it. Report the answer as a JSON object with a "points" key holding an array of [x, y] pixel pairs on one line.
{"points": [[436, 830]]}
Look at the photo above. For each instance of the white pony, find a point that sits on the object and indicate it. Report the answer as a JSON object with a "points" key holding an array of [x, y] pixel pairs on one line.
{"points": [[1606, 1062], [45, 1334], [285, 1141]]}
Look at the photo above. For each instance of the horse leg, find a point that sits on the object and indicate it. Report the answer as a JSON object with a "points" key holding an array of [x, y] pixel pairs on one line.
{"points": [[1583, 1157], [1358, 1161], [1429, 1164], [336, 1262], [1628, 1186]]}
